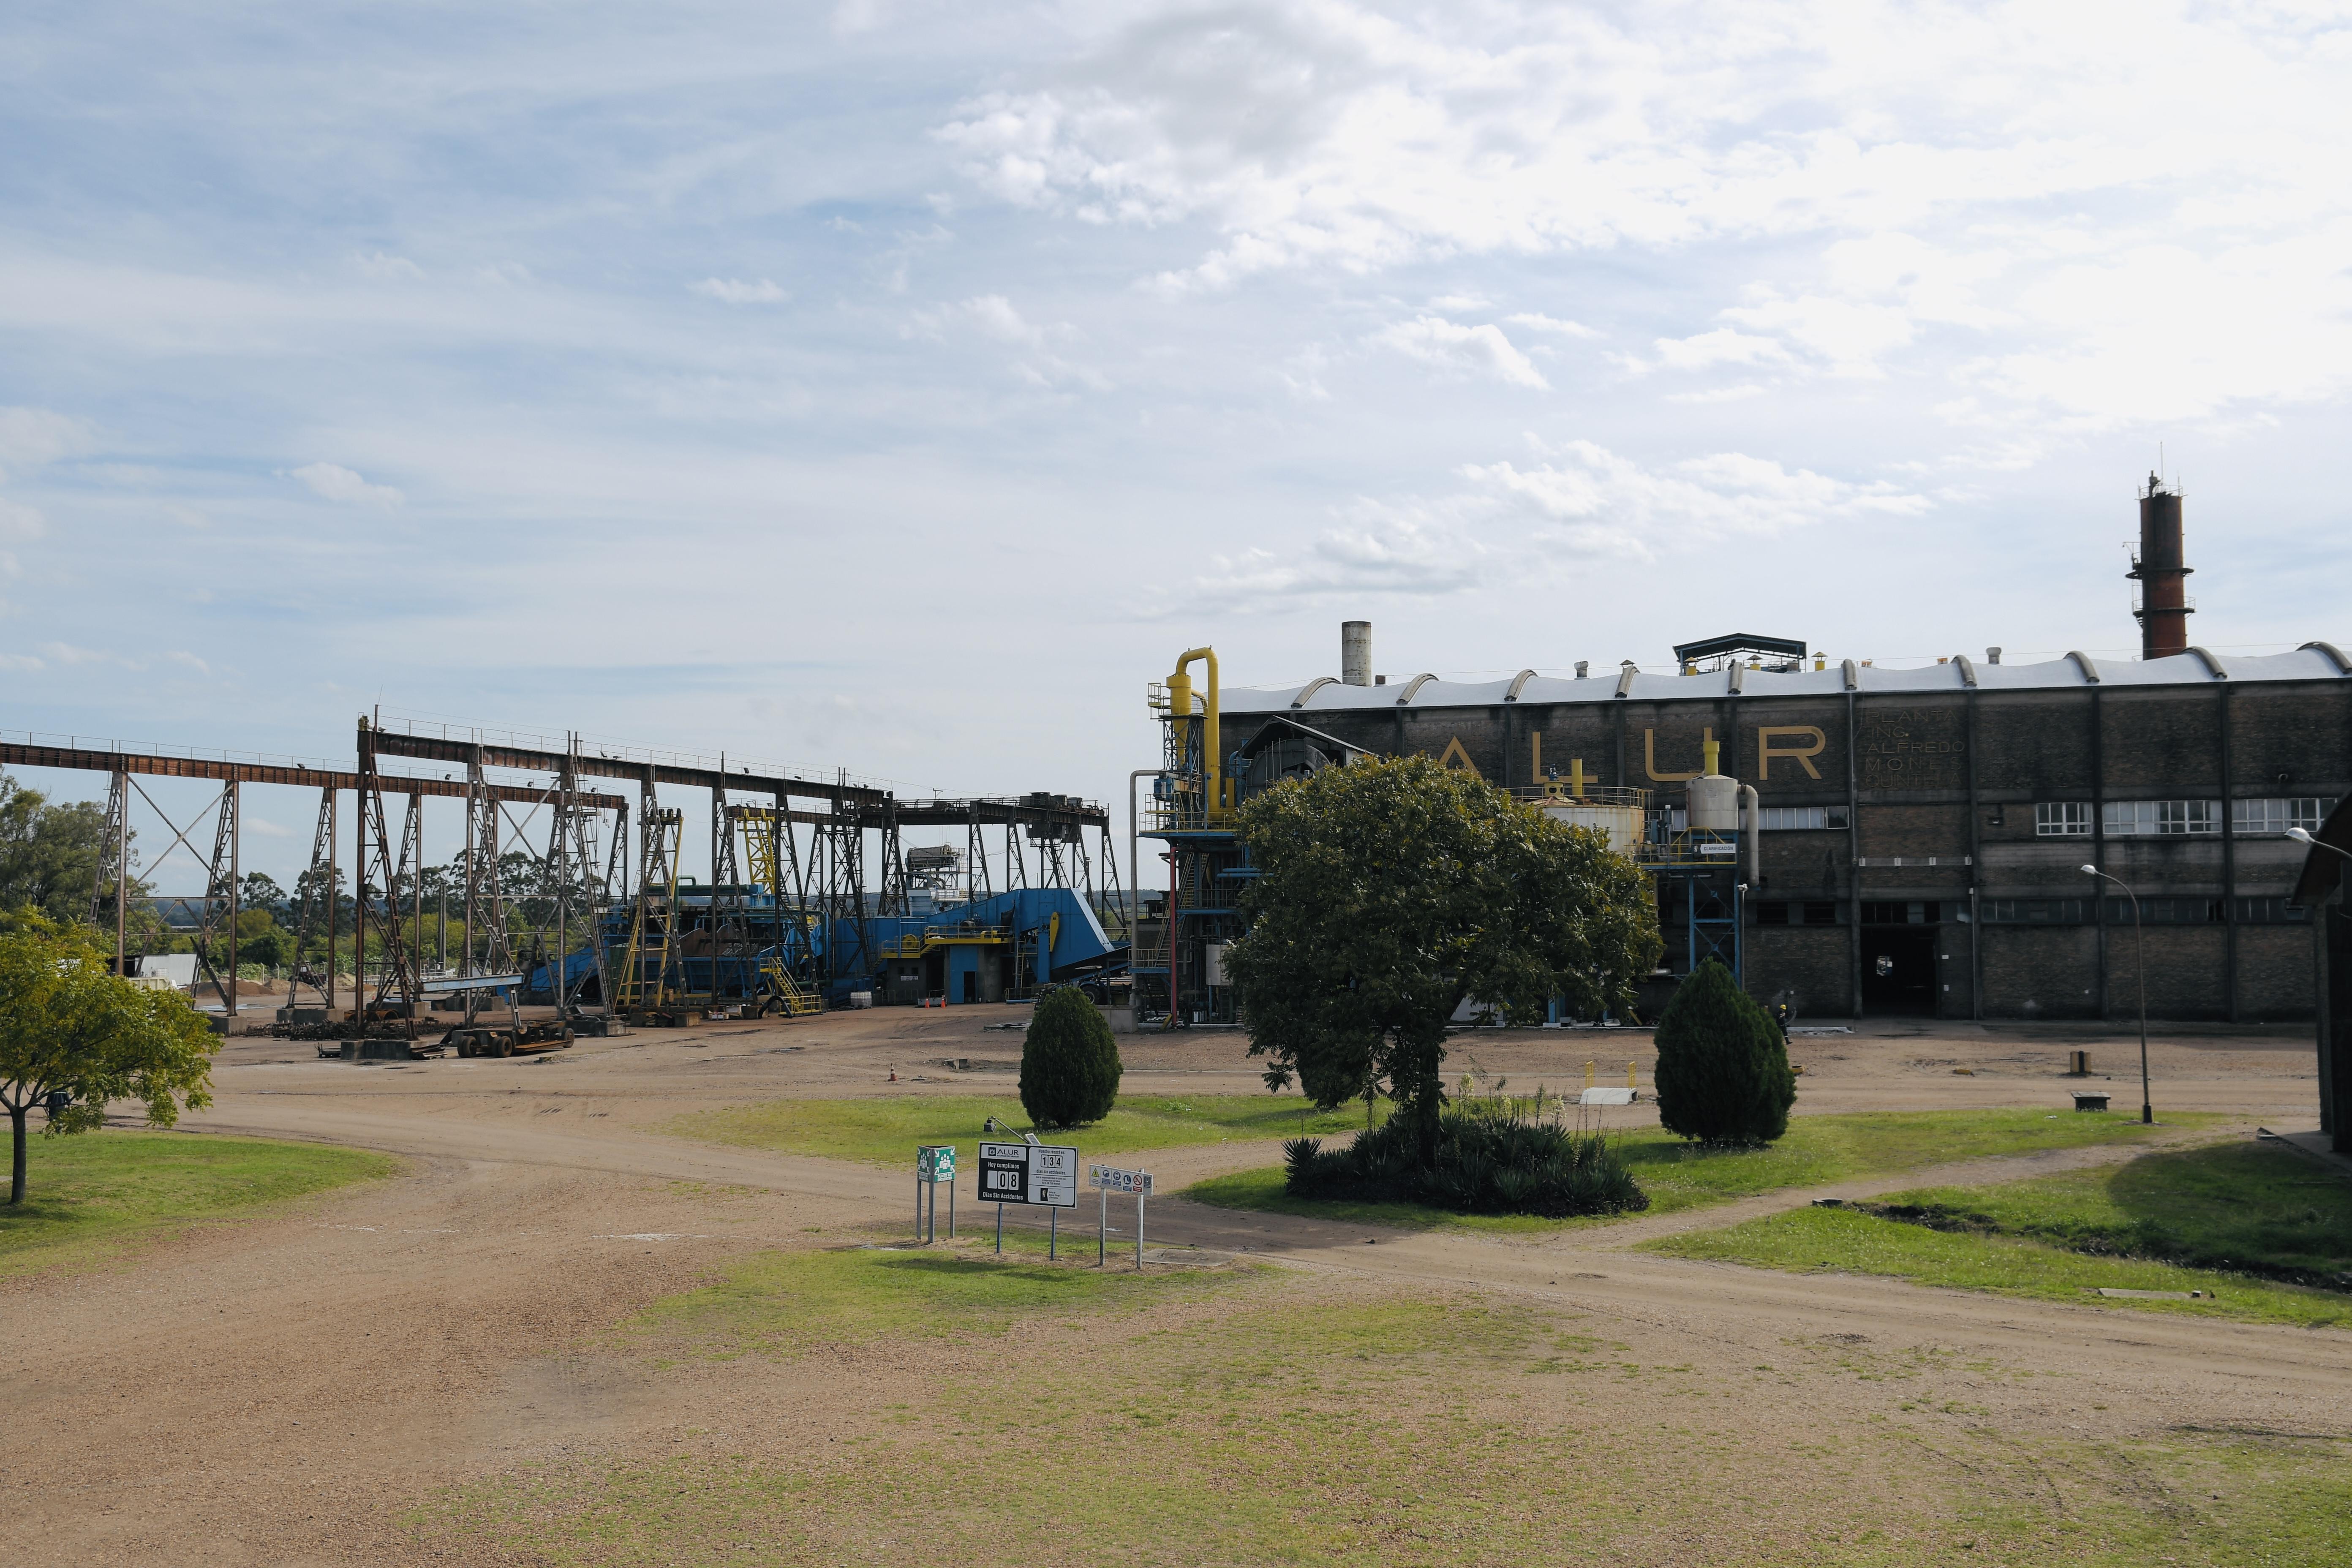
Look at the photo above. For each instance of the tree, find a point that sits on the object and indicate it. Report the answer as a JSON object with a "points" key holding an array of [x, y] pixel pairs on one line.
{"points": [[259, 891], [1723, 1066], [67, 1025], [1388, 892], [48, 853], [1069, 1062]]}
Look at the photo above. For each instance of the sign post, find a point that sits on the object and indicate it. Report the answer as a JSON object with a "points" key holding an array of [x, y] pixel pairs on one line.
{"points": [[934, 1164], [1109, 1179], [1042, 1173]]}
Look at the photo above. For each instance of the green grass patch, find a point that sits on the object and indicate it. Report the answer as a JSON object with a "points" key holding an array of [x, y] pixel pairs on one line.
{"points": [[1275, 1424], [1816, 1151], [783, 1302], [2016, 1249], [2249, 1207], [88, 1196], [884, 1131]]}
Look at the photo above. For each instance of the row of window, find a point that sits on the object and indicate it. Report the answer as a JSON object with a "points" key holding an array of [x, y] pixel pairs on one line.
{"points": [[2161, 910], [2117, 818], [2137, 818]]}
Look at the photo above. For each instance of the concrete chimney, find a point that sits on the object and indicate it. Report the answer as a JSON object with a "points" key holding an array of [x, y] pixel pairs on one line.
{"points": [[1356, 653], [2164, 608]]}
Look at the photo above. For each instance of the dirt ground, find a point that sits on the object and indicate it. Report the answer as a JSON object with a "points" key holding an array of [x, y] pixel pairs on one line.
{"points": [[290, 1389]]}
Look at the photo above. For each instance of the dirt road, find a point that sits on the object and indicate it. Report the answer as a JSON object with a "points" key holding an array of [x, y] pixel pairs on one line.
{"points": [[285, 1389]]}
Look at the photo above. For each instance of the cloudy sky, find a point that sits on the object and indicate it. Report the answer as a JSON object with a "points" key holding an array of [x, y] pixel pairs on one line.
{"points": [[898, 386]]}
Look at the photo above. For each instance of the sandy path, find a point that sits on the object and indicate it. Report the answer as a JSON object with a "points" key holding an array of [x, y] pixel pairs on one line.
{"points": [[282, 1389]]}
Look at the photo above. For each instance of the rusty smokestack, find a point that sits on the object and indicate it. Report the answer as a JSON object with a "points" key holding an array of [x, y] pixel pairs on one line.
{"points": [[2164, 607]]}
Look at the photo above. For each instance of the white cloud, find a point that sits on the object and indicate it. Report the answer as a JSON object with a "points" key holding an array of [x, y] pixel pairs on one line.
{"points": [[734, 291], [340, 484], [1482, 349], [1981, 180], [996, 317], [191, 661], [20, 523], [1722, 346], [1581, 503], [1535, 321], [20, 661], [31, 436], [382, 267], [263, 826]]}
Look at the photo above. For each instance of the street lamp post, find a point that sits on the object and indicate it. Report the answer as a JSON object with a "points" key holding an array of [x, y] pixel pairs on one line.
{"points": [[2140, 961]]}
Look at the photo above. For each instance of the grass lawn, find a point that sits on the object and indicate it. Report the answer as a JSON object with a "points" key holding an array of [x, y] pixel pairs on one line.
{"points": [[885, 1131], [88, 1196], [2216, 1219], [784, 1302], [1000, 1414], [1817, 1150]]}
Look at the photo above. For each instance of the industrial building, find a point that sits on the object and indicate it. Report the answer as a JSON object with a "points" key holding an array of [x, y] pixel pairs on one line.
{"points": [[1917, 835]]}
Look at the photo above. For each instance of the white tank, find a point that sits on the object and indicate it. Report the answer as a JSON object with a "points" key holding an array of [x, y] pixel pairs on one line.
{"points": [[1622, 824], [1714, 803]]}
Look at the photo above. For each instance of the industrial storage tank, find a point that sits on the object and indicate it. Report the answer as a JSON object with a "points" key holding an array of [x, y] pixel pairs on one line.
{"points": [[1621, 824]]}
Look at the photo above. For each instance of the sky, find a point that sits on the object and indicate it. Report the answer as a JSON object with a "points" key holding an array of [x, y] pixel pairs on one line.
{"points": [[899, 387]]}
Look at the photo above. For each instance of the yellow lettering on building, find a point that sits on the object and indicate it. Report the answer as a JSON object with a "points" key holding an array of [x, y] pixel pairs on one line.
{"points": [[1650, 759], [1803, 754], [1455, 756]]}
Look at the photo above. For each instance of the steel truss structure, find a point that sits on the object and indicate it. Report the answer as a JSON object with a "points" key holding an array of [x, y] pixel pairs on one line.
{"points": [[810, 846], [215, 936]]}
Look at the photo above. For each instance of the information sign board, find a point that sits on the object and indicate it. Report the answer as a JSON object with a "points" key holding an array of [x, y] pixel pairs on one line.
{"points": [[1110, 1179], [936, 1161], [1044, 1174]]}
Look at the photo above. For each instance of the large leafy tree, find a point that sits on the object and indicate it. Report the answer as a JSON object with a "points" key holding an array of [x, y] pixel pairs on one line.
{"points": [[67, 1024], [48, 852], [1389, 892]]}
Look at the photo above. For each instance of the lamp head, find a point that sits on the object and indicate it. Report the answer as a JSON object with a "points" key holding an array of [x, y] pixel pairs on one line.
{"points": [[2301, 834], [2090, 870]]}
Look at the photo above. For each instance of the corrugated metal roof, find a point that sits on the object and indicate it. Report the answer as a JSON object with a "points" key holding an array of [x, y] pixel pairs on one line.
{"points": [[2313, 661]]}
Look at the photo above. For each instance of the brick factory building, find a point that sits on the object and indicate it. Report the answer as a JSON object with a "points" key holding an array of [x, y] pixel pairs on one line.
{"points": [[1924, 830]]}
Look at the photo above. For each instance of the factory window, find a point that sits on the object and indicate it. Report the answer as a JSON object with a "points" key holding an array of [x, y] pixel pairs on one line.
{"points": [[2167, 912], [2129, 819], [2062, 819], [1784, 818], [2276, 815], [1911, 913], [2035, 911], [2271, 912], [1804, 912]]}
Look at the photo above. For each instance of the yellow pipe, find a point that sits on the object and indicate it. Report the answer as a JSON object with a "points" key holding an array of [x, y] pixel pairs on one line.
{"points": [[1179, 703], [1712, 751]]}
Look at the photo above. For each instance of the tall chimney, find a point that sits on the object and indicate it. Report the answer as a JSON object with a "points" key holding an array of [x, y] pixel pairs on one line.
{"points": [[2164, 607], [1356, 653]]}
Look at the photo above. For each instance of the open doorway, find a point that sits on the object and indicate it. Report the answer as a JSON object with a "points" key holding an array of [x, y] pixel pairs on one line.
{"points": [[1898, 970]]}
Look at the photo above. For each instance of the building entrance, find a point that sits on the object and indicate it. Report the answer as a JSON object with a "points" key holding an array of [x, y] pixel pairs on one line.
{"points": [[1898, 970]]}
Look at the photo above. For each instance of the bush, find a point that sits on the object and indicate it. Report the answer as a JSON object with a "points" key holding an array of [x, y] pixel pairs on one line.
{"points": [[1723, 1066], [1069, 1062], [1493, 1156]]}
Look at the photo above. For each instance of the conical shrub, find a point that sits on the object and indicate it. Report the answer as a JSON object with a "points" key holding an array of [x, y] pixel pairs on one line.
{"points": [[1069, 1062], [1723, 1068]]}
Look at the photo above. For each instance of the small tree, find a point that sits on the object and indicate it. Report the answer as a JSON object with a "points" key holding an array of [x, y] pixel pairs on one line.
{"points": [[1389, 892], [69, 1026], [1069, 1062], [1723, 1068]]}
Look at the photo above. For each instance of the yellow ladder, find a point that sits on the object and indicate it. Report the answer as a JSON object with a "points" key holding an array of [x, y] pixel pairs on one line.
{"points": [[798, 1002]]}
